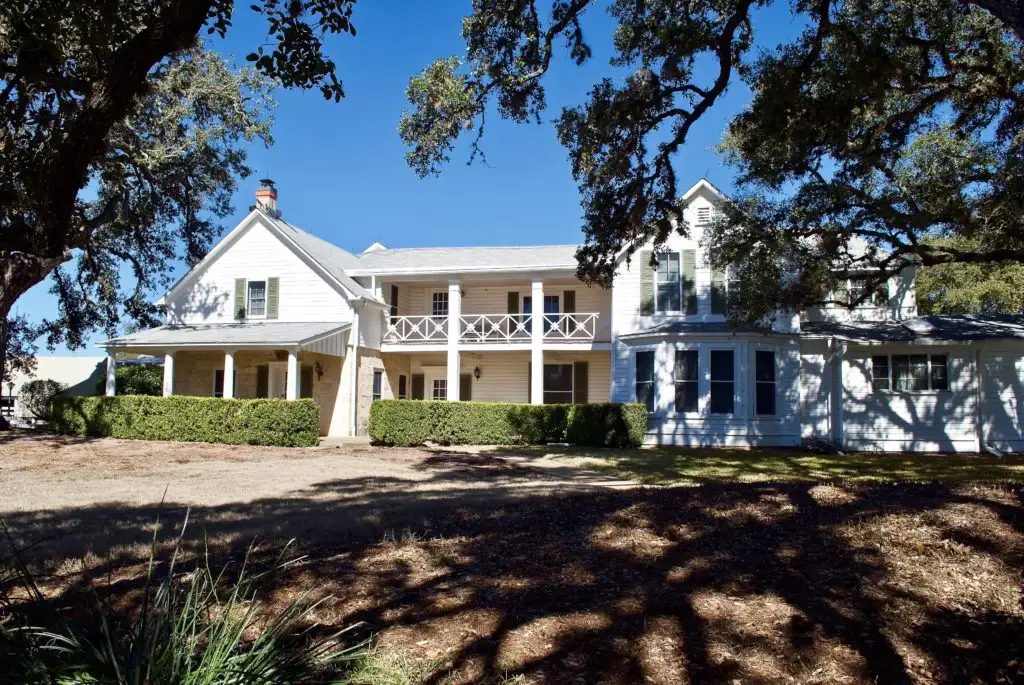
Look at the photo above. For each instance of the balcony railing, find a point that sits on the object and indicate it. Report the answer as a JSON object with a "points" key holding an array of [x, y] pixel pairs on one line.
{"points": [[417, 329], [492, 328]]}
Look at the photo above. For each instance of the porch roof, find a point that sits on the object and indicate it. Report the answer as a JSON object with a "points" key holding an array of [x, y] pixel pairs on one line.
{"points": [[247, 334], [950, 327]]}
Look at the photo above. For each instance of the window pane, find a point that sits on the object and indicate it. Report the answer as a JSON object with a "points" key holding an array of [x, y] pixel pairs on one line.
{"points": [[218, 383], [645, 395], [377, 378], [940, 375], [764, 366], [644, 366], [439, 390], [686, 365], [686, 397], [439, 304], [919, 371], [558, 378], [721, 365], [765, 398], [880, 372], [669, 294], [721, 397], [901, 372], [257, 298], [402, 387]]}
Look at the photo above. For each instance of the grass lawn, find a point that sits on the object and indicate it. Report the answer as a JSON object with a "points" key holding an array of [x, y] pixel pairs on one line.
{"points": [[664, 466]]}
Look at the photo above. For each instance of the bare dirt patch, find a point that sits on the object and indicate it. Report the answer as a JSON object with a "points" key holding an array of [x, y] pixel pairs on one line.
{"points": [[489, 570]]}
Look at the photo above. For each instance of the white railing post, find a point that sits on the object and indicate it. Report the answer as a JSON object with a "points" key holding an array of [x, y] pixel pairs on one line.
{"points": [[537, 343], [454, 319]]}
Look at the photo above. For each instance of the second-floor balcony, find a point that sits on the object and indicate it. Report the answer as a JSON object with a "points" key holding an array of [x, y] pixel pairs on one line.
{"points": [[492, 328]]}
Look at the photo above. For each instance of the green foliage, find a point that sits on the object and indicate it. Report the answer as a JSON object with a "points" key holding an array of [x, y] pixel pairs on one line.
{"points": [[403, 422], [191, 419], [135, 379], [201, 627], [37, 396], [960, 288], [17, 344], [123, 140], [882, 124]]}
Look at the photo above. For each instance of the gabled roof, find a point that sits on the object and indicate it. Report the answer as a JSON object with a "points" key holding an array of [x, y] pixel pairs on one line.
{"points": [[457, 259], [952, 327]]}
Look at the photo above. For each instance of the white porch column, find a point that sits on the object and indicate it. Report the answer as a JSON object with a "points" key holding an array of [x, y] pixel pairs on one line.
{"points": [[454, 362], [168, 373], [111, 384], [537, 343], [229, 373], [292, 391]]}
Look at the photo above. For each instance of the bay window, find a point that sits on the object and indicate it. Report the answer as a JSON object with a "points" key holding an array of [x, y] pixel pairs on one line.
{"points": [[722, 382], [645, 379]]}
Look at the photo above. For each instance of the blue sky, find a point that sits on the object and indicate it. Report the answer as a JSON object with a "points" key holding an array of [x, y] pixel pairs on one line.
{"points": [[340, 167]]}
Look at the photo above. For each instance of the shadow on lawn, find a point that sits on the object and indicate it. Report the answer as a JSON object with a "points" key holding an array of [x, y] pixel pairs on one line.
{"points": [[758, 582]]}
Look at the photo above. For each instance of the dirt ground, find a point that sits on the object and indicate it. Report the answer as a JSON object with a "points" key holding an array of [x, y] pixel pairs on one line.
{"points": [[489, 566]]}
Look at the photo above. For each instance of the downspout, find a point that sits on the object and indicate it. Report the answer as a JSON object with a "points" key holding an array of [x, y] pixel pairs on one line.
{"points": [[353, 379], [978, 416]]}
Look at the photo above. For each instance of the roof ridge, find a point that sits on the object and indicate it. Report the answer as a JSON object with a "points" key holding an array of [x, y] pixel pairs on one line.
{"points": [[476, 247]]}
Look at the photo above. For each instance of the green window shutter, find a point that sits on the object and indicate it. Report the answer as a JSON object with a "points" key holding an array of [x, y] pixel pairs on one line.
{"points": [[513, 308], [239, 298], [262, 381], [394, 302], [306, 381], [719, 295], [690, 281], [646, 283], [580, 382], [465, 387], [273, 296], [417, 386]]}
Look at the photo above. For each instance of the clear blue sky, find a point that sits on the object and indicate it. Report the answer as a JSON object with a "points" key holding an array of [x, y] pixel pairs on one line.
{"points": [[340, 167]]}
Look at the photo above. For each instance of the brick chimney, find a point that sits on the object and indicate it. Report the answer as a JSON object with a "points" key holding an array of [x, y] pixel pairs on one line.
{"points": [[266, 196]]}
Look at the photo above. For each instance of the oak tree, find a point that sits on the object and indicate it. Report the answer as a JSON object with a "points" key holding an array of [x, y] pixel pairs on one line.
{"points": [[882, 126]]}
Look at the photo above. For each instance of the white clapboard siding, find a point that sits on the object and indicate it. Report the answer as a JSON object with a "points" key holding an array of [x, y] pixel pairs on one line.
{"points": [[1002, 399], [257, 254], [815, 391], [908, 421]]}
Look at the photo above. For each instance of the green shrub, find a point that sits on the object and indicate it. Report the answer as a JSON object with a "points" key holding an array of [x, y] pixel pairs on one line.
{"points": [[136, 379], [403, 422], [192, 419], [37, 396]]}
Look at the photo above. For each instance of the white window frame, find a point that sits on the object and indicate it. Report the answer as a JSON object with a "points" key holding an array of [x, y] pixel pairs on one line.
{"points": [[248, 300], [655, 391], [870, 302], [572, 381], [378, 392], [435, 385], [891, 378], [682, 304], [701, 401], [754, 382], [735, 379], [434, 296]]}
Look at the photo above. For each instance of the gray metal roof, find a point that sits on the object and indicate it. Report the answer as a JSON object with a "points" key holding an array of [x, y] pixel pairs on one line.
{"points": [[701, 327], [256, 334], [414, 259], [332, 258], [950, 327]]}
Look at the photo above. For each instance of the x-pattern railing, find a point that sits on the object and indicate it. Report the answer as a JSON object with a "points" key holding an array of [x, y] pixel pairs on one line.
{"points": [[416, 329], [495, 327], [577, 326]]}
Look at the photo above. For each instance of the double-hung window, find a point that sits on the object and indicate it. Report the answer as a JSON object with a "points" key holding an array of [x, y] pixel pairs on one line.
{"points": [[378, 381], [722, 382], [257, 304], [645, 379], [439, 304], [764, 382], [551, 319], [910, 372], [669, 296], [439, 389], [685, 377]]}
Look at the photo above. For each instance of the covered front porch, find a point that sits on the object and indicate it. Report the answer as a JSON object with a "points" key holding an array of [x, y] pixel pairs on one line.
{"points": [[272, 360]]}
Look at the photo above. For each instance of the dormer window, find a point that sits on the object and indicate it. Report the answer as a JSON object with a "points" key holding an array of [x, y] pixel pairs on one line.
{"points": [[257, 301]]}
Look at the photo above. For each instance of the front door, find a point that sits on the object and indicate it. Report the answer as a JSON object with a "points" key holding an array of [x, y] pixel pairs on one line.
{"points": [[277, 381]]}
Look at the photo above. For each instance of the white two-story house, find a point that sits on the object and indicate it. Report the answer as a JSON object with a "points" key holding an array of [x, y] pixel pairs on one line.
{"points": [[274, 311]]}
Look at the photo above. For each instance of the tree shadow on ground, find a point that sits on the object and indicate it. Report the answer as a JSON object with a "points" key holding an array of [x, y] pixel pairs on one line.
{"points": [[502, 573]]}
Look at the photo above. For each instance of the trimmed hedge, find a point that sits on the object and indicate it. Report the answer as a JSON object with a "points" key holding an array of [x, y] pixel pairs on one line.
{"points": [[405, 422], [191, 419]]}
